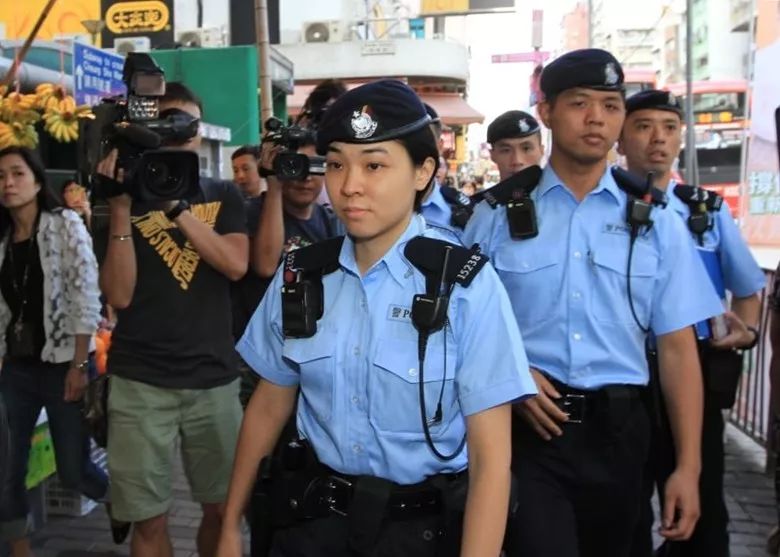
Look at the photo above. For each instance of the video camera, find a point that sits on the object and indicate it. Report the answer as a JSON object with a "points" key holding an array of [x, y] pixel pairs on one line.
{"points": [[135, 127], [290, 165]]}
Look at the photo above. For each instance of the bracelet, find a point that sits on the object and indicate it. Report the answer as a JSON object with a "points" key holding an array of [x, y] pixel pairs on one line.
{"points": [[121, 237], [177, 210]]}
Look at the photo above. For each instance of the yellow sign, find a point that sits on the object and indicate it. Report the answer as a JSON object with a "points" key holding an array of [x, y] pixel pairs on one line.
{"points": [[64, 19], [440, 6], [138, 17]]}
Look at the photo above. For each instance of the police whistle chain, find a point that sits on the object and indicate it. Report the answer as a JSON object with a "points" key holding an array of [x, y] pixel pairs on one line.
{"points": [[429, 315]]}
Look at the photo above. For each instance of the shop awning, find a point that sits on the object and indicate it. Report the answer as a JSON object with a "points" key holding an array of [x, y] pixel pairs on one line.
{"points": [[453, 109]]}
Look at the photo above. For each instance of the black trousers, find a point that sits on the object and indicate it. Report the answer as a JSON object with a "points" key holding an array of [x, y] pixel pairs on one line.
{"points": [[329, 537], [579, 494], [710, 537]]}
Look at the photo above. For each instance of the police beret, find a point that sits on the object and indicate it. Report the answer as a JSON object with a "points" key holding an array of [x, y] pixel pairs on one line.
{"points": [[514, 123], [652, 98], [591, 68], [378, 111]]}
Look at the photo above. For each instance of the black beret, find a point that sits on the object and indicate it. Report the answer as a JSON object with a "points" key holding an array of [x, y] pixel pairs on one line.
{"points": [[378, 111], [655, 99], [514, 123], [432, 113], [591, 68]]}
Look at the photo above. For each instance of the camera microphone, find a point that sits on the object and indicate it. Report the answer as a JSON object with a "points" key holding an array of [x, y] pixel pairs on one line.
{"points": [[138, 135]]}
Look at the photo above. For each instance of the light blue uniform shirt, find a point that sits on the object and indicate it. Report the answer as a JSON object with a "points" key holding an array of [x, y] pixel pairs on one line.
{"points": [[568, 285], [740, 272], [437, 211], [359, 404]]}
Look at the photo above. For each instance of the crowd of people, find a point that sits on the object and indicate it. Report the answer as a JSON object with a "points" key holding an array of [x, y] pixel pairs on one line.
{"points": [[410, 368]]}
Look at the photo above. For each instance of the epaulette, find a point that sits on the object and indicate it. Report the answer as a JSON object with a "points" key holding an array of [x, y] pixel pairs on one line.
{"points": [[427, 255], [634, 186], [455, 197], [321, 258], [693, 195], [514, 188]]}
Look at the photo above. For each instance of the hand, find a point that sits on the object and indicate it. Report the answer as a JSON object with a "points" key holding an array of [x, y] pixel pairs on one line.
{"points": [[739, 335], [166, 206], [541, 413], [681, 505], [75, 384], [107, 167], [268, 152], [229, 543]]}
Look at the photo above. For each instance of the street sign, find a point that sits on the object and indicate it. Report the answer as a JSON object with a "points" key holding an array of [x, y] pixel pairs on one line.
{"points": [[536, 56], [96, 74]]}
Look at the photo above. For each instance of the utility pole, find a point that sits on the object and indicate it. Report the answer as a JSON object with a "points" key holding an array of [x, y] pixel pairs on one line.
{"points": [[691, 160], [264, 61], [590, 23]]}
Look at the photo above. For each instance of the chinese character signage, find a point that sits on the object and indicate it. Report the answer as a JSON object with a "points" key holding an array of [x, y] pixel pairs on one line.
{"points": [[761, 211], [148, 18]]}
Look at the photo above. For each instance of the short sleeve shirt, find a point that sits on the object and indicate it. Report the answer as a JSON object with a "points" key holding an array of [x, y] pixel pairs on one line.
{"points": [[359, 373]]}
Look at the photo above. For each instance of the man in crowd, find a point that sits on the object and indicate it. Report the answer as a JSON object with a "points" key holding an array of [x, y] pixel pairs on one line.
{"points": [[167, 270], [515, 142]]}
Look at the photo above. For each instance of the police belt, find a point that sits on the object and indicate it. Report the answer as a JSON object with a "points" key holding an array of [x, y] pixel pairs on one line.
{"points": [[613, 400], [336, 493]]}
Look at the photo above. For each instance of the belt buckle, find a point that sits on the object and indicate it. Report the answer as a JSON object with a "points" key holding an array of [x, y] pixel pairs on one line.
{"points": [[332, 485], [574, 406]]}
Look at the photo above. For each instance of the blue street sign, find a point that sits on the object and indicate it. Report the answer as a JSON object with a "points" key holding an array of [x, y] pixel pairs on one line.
{"points": [[96, 74]]}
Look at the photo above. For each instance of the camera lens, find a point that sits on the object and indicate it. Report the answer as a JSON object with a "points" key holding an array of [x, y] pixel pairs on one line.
{"points": [[291, 166], [157, 174]]}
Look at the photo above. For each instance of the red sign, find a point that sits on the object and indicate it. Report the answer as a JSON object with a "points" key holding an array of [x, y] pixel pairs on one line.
{"points": [[536, 57]]}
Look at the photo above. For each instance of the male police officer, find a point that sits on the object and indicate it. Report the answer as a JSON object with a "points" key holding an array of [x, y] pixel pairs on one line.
{"points": [[515, 142], [444, 206], [586, 286], [651, 141]]}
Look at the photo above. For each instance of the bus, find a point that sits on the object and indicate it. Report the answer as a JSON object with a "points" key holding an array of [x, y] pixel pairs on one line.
{"points": [[636, 80], [721, 121]]}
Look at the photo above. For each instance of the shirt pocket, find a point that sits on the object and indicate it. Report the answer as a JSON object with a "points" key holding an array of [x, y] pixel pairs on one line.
{"points": [[532, 279], [394, 401], [315, 360], [610, 293]]}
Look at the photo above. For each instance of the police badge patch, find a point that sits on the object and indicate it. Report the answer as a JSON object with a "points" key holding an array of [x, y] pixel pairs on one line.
{"points": [[523, 125], [610, 74], [671, 99], [363, 124]]}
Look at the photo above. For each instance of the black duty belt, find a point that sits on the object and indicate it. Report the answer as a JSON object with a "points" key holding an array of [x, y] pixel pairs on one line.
{"points": [[334, 493], [580, 404]]}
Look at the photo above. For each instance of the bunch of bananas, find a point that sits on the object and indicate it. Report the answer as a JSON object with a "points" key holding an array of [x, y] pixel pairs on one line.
{"points": [[63, 125], [16, 107], [49, 97], [18, 134]]}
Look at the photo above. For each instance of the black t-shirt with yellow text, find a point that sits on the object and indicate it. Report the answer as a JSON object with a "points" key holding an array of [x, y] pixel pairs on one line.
{"points": [[177, 330]]}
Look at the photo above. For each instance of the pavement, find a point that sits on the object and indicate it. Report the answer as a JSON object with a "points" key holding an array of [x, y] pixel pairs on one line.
{"points": [[749, 496]]}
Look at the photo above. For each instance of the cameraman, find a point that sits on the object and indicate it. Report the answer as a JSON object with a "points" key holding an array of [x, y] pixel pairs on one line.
{"points": [[168, 271], [290, 217]]}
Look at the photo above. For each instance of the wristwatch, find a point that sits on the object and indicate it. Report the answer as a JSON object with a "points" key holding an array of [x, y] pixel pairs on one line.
{"points": [[81, 367], [756, 337], [177, 210]]}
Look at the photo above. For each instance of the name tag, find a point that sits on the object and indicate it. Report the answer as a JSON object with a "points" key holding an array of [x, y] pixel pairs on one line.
{"points": [[621, 229], [399, 313]]}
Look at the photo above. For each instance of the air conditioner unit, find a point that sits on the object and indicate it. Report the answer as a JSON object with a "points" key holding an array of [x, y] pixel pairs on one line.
{"points": [[208, 37], [333, 31], [132, 44], [72, 38]]}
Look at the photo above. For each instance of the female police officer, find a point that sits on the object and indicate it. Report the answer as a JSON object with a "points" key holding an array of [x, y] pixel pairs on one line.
{"points": [[390, 386]]}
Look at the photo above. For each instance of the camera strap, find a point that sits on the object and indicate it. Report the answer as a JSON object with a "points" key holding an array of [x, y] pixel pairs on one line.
{"points": [[302, 293], [514, 194], [703, 205]]}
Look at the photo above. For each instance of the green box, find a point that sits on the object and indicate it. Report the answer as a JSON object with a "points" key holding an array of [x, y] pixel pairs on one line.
{"points": [[226, 81], [41, 463]]}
